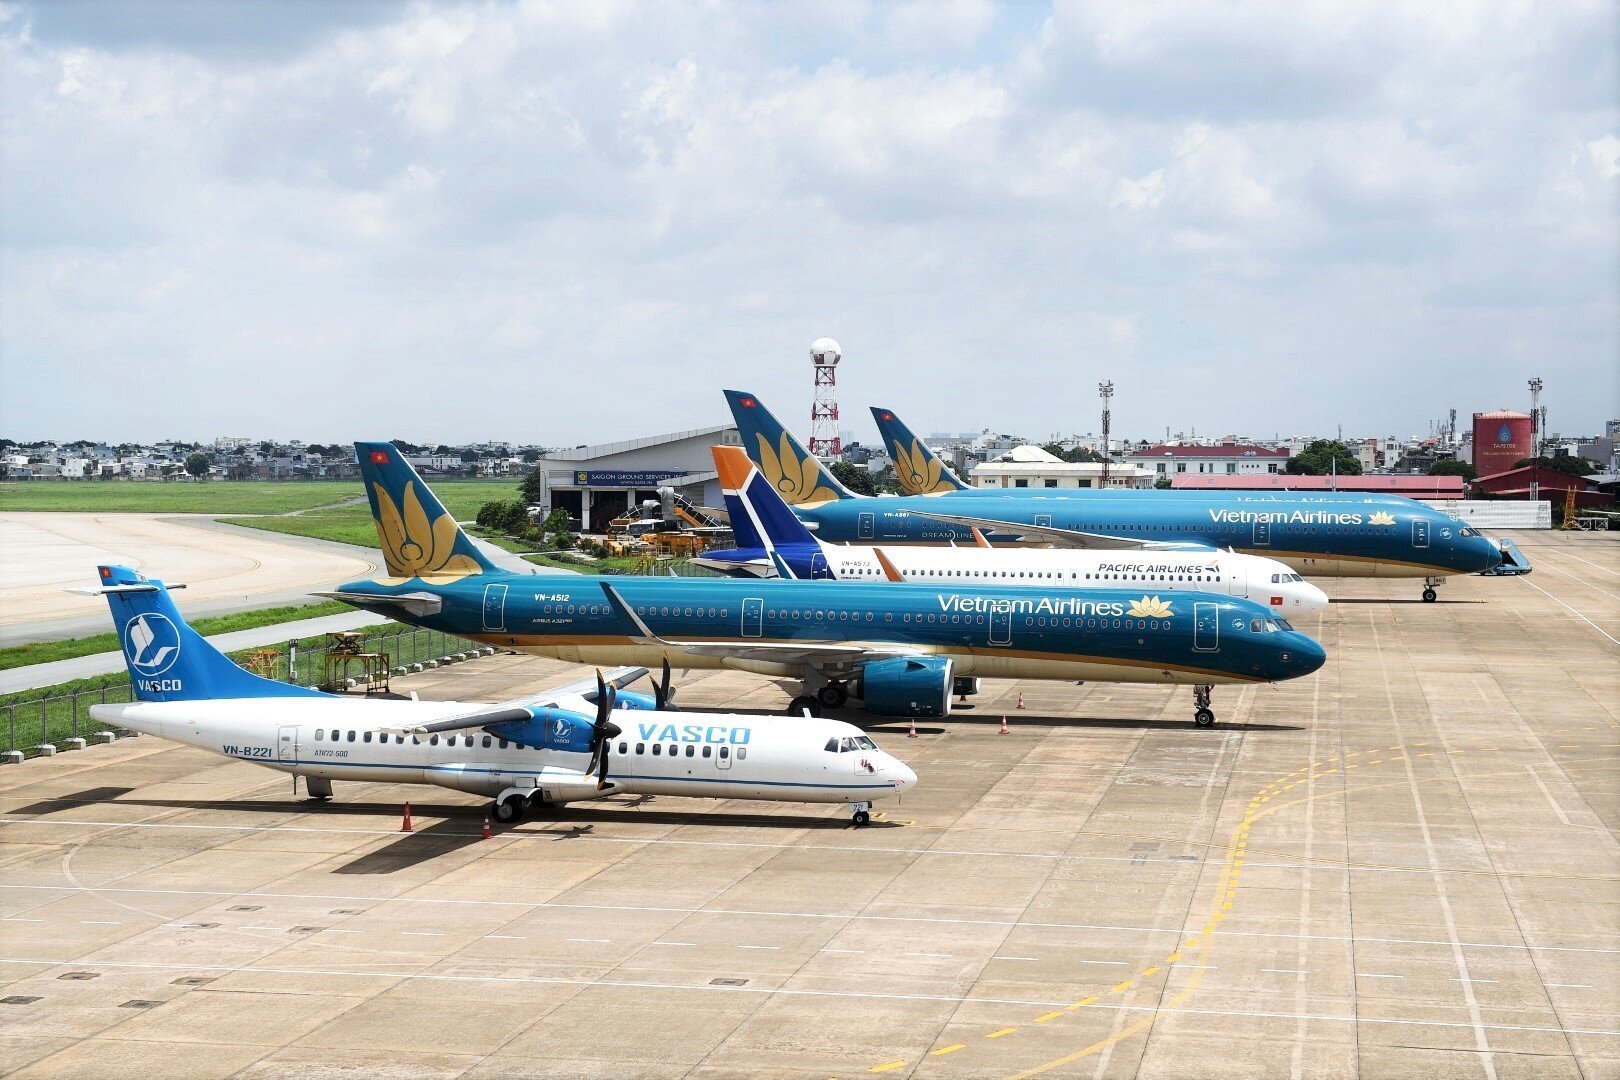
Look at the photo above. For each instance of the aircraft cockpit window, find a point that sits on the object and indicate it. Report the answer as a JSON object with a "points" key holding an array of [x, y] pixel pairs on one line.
{"points": [[832, 745], [864, 742], [845, 745], [1276, 578], [1255, 627], [1285, 624], [1466, 531]]}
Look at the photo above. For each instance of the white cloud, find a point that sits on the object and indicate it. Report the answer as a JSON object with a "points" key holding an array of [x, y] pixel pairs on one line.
{"points": [[451, 203]]}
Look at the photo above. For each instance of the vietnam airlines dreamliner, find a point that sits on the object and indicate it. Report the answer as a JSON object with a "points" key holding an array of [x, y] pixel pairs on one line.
{"points": [[897, 648], [581, 741], [771, 540], [1333, 534]]}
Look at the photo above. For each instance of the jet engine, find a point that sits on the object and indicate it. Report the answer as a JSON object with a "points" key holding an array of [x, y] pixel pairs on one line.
{"points": [[907, 686]]}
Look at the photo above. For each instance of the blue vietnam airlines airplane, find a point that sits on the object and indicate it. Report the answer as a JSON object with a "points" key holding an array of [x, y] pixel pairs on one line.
{"points": [[1331, 534], [585, 740], [899, 648]]}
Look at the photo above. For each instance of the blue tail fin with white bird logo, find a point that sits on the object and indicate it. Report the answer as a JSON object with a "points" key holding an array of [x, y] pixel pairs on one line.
{"points": [[918, 469], [167, 659]]}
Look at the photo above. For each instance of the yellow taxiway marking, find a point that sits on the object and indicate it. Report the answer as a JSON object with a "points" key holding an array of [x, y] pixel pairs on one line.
{"points": [[1049, 1016], [951, 1049], [887, 1067], [999, 1034]]}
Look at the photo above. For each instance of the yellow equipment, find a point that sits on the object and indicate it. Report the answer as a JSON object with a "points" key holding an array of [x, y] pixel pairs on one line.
{"points": [[343, 654]]}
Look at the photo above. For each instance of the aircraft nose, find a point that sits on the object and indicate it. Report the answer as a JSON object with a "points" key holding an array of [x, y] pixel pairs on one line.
{"points": [[904, 778], [1311, 598], [1492, 554], [1305, 655]]}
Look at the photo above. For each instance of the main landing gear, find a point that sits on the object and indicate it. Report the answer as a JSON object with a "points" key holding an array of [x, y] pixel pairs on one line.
{"points": [[510, 806], [863, 814], [1429, 595], [318, 788], [834, 695], [1204, 716], [802, 704]]}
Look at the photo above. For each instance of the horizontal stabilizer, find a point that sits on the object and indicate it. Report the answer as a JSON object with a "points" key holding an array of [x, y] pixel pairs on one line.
{"points": [[416, 603]]}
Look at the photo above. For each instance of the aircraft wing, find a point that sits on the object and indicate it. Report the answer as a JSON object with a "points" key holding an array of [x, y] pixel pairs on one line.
{"points": [[583, 690], [821, 655], [416, 603], [1069, 538]]}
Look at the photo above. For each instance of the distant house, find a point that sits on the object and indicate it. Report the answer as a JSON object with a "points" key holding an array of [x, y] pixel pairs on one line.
{"points": [[1539, 482], [1226, 459]]}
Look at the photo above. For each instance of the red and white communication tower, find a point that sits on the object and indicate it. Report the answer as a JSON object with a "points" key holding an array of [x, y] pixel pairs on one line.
{"points": [[824, 440]]}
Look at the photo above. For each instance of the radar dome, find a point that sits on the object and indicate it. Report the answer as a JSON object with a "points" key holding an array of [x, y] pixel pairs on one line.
{"points": [[824, 352]]}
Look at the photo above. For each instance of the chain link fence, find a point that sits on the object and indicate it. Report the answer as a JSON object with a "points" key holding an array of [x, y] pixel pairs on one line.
{"points": [[50, 719]]}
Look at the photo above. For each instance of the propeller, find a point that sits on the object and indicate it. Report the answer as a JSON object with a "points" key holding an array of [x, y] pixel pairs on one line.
{"points": [[663, 694], [602, 731]]}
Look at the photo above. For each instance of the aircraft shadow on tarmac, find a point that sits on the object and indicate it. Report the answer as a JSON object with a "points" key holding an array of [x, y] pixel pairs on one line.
{"points": [[1376, 600], [1098, 723]]}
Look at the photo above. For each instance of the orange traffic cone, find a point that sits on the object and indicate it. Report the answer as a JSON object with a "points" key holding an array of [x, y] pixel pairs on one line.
{"points": [[405, 826], [1020, 700], [912, 734], [1003, 730], [487, 833]]}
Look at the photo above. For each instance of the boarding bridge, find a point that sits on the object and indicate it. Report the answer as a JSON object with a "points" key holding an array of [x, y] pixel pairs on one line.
{"points": [[1488, 514]]}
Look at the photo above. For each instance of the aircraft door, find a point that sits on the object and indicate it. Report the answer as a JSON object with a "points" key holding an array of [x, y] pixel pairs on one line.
{"points": [[1420, 533], [1000, 626], [1262, 533], [753, 617], [722, 755], [494, 607], [818, 567], [1236, 580], [1043, 521], [1206, 627], [287, 746], [866, 525]]}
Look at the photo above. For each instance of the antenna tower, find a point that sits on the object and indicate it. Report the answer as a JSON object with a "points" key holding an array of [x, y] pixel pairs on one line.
{"points": [[1106, 391], [1538, 417], [825, 442]]}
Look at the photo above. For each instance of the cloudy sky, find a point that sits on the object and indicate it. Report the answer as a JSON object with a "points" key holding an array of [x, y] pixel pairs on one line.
{"points": [[568, 222]]}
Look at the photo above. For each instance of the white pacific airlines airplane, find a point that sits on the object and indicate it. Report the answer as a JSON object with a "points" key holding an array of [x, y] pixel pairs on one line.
{"points": [[772, 539], [581, 741]]}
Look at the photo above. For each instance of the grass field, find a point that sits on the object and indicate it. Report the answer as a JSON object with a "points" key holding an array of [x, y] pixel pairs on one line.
{"points": [[352, 524], [461, 497], [44, 652]]}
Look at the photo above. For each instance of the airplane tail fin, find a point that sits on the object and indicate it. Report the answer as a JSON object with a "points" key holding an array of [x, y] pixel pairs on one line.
{"points": [[167, 659], [800, 480], [759, 517], [418, 536], [919, 469]]}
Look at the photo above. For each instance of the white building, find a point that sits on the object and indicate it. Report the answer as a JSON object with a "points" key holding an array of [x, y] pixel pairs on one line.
{"points": [[1227, 459], [595, 484], [1032, 467]]}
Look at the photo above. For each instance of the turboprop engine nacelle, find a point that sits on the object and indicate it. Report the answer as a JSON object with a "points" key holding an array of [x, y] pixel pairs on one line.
{"points": [[907, 686], [549, 729]]}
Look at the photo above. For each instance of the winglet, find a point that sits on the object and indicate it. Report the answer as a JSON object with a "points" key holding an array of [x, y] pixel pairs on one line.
{"points": [[888, 567], [628, 613]]}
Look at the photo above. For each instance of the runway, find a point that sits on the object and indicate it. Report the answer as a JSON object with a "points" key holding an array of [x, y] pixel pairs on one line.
{"points": [[1405, 864]]}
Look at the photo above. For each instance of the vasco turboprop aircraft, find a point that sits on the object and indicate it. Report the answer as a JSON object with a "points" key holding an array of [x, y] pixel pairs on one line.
{"points": [[772, 541], [898, 648], [580, 741], [1338, 535]]}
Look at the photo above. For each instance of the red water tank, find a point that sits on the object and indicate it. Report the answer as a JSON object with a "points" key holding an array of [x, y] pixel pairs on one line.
{"points": [[1502, 439]]}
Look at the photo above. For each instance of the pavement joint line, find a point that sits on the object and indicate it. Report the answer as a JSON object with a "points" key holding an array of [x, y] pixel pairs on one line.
{"points": [[1374, 975]]}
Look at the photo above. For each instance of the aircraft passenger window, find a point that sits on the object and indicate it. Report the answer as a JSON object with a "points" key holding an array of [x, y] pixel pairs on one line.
{"points": [[725, 752], [366, 737], [502, 744], [888, 616], [434, 741], [320, 733], [641, 748], [742, 752], [706, 750], [832, 745], [351, 736], [658, 749], [487, 741], [691, 751]]}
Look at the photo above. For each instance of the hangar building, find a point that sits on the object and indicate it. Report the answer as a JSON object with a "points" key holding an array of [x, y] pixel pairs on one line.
{"points": [[595, 484]]}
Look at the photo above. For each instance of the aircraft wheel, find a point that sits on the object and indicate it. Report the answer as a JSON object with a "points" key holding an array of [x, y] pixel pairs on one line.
{"points": [[508, 810], [1204, 718], [535, 803], [1430, 596], [862, 818], [833, 695], [798, 705]]}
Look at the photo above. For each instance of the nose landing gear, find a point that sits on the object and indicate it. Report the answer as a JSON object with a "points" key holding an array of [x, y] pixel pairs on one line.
{"points": [[863, 814], [1429, 595], [1204, 716]]}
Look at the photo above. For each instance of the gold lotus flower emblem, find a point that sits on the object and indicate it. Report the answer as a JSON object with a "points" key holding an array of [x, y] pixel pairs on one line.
{"points": [[1381, 518], [919, 472], [412, 545], [1149, 607], [797, 481]]}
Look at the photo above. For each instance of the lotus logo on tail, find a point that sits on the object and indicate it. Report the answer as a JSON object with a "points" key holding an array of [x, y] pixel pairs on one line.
{"points": [[1381, 518], [412, 545], [1150, 607], [152, 643], [918, 472], [798, 482]]}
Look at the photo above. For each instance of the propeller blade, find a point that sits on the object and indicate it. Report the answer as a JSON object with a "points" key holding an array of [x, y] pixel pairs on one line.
{"points": [[663, 696]]}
